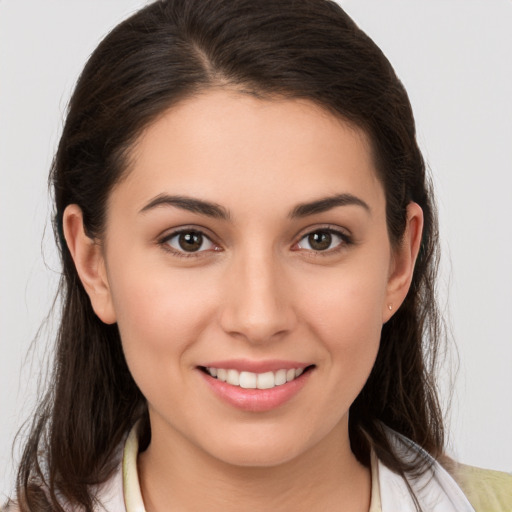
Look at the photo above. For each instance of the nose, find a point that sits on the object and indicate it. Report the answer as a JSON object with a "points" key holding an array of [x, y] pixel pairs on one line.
{"points": [[257, 306]]}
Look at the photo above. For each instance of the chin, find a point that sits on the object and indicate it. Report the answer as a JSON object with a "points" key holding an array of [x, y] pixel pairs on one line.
{"points": [[260, 450], [258, 457]]}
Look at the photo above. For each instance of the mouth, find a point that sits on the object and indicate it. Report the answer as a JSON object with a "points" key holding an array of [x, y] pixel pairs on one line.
{"points": [[252, 380]]}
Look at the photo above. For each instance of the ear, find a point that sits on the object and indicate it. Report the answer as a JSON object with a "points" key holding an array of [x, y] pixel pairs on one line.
{"points": [[87, 255], [403, 261]]}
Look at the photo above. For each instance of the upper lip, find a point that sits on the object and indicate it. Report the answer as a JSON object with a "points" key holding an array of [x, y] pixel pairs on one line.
{"points": [[247, 365]]}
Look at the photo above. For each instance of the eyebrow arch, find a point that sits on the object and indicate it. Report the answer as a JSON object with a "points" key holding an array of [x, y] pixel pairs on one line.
{"points": [[327, 203], [188, 203]]}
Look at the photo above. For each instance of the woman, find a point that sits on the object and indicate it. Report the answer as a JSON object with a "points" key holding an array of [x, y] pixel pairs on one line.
{"points": [[249, 249]]}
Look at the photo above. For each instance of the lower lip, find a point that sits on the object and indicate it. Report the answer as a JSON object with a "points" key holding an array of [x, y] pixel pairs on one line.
{"points": [[256, 400]]}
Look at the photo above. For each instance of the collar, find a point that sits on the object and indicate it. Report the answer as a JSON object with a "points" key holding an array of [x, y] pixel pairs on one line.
{"points": [[435, 489], [131, 486]]}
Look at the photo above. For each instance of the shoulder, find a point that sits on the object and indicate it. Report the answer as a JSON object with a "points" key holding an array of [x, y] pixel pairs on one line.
{"points": [[472, 488], [107, 497], [487, 490]]}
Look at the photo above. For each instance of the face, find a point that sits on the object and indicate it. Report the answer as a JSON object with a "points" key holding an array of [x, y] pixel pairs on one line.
{"points": [[247, 263]]}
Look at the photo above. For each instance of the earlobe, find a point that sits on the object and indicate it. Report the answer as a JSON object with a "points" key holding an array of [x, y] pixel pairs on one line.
{"points": [[403, 262], [88, 257]]}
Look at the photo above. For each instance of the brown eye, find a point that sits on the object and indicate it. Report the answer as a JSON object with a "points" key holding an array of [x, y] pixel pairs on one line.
{"points": [[322, 240], [190, 241]]}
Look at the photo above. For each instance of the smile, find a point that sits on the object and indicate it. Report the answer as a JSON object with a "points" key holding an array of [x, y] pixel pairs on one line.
{"points": [[250, 380], [256, 386]]}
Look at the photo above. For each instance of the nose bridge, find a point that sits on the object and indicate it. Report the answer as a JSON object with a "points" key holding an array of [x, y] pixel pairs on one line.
{"points": [[257, 307]]}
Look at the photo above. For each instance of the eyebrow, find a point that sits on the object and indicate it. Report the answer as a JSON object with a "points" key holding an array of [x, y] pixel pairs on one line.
{"points": [[190, 204], [217, 211], [327, 203]]}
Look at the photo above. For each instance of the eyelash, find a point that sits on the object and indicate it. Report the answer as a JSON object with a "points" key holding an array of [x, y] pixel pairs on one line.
{"points": [[164, 242], [345, 241]]}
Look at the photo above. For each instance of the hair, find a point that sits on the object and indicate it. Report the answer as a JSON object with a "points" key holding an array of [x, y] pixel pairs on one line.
{"points": [[167, 52]]}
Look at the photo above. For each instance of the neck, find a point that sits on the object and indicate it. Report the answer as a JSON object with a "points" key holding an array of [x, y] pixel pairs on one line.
{"points": [[177, 475]]}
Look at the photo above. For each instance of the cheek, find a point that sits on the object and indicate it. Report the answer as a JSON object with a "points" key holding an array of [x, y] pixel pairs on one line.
{"points": [[346, 304], [159, 313], [345, 314]]}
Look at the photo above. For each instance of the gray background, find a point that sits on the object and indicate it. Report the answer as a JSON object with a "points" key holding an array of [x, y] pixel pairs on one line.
{"points": [[455, 59]]}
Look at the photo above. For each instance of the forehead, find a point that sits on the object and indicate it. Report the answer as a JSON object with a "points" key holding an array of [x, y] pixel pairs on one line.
{"points": [[223, 143]]}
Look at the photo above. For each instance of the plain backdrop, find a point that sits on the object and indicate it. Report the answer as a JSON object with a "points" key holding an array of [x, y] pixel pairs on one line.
{"points": [[455, 59]]}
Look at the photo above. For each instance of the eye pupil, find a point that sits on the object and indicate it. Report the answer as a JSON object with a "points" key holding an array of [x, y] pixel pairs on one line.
{"points": [[190, 241], [320, 240]]}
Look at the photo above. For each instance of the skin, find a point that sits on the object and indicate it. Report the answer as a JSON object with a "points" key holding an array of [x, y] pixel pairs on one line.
{"points": [[259, 290]]}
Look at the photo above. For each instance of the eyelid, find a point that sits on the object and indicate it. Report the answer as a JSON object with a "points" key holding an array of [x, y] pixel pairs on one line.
{"points": [[334, 228], [163, 241], [343, 233]]}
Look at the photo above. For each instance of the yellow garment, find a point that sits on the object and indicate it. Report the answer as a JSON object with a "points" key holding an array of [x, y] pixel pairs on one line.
{"points": [[486, 490]]}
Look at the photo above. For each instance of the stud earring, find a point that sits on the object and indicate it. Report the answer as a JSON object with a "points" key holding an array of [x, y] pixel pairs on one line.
{"points": [[390, 307]]}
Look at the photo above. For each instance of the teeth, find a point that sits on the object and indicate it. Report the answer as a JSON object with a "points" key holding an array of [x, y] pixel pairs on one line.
{"points": [[250, 380], [266, 380], [280, 377], [233, 378]]}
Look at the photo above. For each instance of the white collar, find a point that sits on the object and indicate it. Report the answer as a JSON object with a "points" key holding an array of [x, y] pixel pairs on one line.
{"points": [[435, 489]]}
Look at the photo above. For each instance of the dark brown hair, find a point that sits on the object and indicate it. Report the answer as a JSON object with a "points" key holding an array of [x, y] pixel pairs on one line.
{"points": [[171, 50]]}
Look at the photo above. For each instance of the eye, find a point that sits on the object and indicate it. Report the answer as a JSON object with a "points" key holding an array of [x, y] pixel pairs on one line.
{"points": [[189, 241], [322, 240]]}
